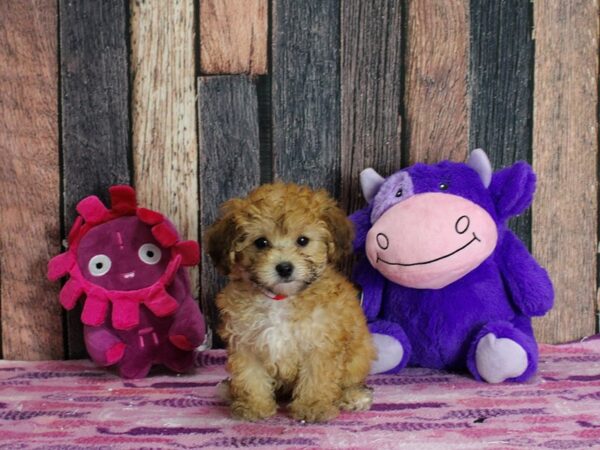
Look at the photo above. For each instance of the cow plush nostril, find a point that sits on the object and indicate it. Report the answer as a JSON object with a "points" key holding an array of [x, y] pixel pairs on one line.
{"points": [[383, 241], [462, 224]]}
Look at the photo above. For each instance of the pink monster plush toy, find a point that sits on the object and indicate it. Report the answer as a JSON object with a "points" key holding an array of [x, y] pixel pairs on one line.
{"points": [[129, 262]]}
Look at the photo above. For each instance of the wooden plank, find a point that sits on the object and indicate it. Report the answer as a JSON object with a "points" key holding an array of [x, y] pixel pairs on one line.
{"points": [[371, 74], [233, 36], [95, 112], [263, 92], [229, 159], [565, 146], [29, 180], [501, 84], [306, 92], [435, 90], [165, 154]]}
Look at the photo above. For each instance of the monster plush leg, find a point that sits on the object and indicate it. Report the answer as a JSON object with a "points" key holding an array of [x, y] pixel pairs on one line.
{"points": [[103, 346], [106, 349], [187, 331], [504, 351], [393, 347], [178, 360]]}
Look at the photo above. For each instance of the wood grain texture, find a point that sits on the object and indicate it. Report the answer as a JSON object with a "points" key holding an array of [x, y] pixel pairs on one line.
{"points": [[95, 113], [233, 36], [165, 155], [29, 179], [229, 159], [565, 146], [501, 83], [436, 102], [371, 97], [306, 92]]}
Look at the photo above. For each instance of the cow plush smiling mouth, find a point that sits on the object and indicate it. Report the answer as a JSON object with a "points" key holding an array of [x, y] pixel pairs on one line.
{"points": [[445, 283]]}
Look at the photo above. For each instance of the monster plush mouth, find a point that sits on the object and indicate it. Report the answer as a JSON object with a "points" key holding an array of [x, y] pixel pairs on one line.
{"points": [[475, 238]]}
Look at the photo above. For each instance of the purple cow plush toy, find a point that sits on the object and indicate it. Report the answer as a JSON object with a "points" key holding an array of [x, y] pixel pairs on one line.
{"points": [[446, 284], [128, 264]]}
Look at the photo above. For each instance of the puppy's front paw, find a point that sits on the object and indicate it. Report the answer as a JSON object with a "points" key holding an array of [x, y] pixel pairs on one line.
{"points": [[313, 412], [252, 411], [357, 398]]}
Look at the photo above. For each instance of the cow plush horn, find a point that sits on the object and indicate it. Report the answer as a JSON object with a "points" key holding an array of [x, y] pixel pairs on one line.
{"points": [[370, 182], [479, 162]]}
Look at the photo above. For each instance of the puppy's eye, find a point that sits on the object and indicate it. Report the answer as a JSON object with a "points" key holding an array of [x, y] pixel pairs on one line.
{"points": [[399, 193], [444, 186], [302, 241], [261, 242]]}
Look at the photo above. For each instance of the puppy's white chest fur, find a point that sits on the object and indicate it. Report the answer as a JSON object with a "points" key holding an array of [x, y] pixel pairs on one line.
{"points": [[277, 334]]}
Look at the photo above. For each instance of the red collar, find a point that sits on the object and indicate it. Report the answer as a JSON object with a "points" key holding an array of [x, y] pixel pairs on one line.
{"points": [[272, 295]]}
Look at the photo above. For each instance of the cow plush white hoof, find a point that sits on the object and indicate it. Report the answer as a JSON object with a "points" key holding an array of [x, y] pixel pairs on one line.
{"points": [[499, 359]]}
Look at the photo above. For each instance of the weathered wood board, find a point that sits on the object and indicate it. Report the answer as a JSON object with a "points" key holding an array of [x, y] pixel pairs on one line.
{"points": [[371, 97], [29, 180], [165, 154], [306, 92], [565, 152], [233, 36], [229, 158], [501, 86], [95, 113], [436, 123]]}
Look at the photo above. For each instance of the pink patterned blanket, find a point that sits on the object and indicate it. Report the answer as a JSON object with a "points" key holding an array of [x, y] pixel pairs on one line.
{"points": [[74, 405]]}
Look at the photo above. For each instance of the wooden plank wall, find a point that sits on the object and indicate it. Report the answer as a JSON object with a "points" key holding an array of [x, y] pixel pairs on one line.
{"points": [[29, 179], [198, 101], [164, 135], [565, 153], [95, 114]]}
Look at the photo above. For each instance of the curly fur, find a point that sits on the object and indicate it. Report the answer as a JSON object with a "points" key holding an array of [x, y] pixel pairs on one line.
{"points": [[314, 345]]}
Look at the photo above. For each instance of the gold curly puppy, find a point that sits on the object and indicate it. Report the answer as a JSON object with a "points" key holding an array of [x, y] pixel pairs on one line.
{"points": [[292, 323]]}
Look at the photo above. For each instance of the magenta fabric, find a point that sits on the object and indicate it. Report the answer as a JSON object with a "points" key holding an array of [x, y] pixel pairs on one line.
{"points": [[75, 405], [127, 266]]}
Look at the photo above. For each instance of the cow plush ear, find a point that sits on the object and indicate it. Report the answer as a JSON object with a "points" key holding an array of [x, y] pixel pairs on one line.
{"points": [[512, 189]]}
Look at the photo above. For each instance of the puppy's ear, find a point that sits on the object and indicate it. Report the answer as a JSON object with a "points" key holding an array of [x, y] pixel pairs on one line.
{"points": [[220, 238], [341, 230]]}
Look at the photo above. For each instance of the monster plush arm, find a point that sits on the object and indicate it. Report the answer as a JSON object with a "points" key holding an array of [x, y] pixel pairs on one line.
{"points": [[528, 283]]}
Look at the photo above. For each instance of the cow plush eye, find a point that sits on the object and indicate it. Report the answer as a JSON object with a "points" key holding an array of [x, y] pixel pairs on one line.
{"points": [[303, 241], [99, 265], [261, 243], [149, 254], [444, 186], [399, 193]]}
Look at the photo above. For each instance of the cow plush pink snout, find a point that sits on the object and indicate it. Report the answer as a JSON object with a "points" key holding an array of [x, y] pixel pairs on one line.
{"points": [[430, 240]]}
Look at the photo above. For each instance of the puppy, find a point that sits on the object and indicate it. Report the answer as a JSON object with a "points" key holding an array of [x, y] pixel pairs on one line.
{"points": [[292, 323]]}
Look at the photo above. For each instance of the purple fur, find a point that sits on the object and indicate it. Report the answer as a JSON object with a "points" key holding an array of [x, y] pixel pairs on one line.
{"points": [[394, 330], [443, 326]]}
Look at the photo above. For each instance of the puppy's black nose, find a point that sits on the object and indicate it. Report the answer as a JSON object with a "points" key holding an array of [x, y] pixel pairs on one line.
{"points": [[284, 269]]}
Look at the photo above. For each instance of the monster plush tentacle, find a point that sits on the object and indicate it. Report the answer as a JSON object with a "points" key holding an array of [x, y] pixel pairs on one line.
{"points": [[445, 283], [127, 266]]}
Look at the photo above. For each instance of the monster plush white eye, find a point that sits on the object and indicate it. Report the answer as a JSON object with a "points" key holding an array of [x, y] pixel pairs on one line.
{"points": [[99, 265], [149, 254]]}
